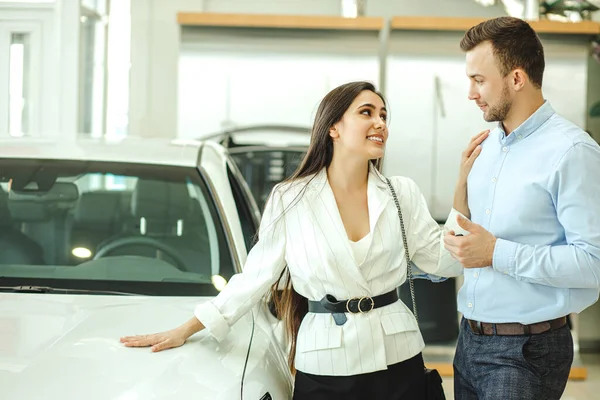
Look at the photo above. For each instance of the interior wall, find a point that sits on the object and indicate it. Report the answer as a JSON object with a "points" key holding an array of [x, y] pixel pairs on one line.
{"points": [[156, 38]]}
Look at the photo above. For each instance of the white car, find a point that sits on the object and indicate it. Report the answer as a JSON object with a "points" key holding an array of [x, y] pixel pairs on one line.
{"points": [[101, 240]]}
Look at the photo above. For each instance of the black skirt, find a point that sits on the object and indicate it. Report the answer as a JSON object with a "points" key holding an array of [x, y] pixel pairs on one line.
{"points": [[401, 381]]}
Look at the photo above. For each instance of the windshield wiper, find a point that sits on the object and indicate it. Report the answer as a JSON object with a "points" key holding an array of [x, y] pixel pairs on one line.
{"points": [[48, 289]]}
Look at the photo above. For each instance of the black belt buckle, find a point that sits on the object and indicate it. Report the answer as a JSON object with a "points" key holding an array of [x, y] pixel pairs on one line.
{"points": [[356, 304], [371, 302]]}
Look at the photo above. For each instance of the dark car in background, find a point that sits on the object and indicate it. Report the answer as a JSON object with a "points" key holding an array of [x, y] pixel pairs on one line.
{"points": [[265, 154]]}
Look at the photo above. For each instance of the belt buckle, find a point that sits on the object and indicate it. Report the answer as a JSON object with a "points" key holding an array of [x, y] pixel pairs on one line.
{"points": [[480, 328], [348, 305], [476, 327], [359, 301], [372, 304]]}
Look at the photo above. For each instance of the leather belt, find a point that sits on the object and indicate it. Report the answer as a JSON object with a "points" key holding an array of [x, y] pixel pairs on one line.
{"points": [[356, 305], [515, 329]]}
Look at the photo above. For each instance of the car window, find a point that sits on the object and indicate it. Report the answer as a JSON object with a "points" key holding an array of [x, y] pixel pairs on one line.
{"points": [[152, 229], [263, 168]]}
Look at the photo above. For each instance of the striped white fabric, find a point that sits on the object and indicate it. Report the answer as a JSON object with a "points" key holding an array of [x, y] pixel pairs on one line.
{"points": [[309, 237]]}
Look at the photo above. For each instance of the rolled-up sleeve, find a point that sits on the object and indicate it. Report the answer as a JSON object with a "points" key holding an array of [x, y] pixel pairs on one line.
{"points": [[263, 266]]}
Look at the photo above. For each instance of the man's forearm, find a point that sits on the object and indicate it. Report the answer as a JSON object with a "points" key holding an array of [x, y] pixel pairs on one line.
{"points": [[562, 266]]}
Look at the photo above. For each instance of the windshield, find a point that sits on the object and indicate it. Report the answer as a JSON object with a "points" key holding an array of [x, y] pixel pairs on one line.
{"points": [[137, 228]]}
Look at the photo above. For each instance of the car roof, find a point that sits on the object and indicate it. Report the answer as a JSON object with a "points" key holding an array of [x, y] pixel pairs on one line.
{"points": [[264, 135], [174, 152]]}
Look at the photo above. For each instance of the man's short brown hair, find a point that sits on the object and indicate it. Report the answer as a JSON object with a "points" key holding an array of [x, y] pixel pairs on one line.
{"points": [[515, 44]]}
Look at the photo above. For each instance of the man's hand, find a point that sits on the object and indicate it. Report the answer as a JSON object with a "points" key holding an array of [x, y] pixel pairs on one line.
{"points": [[472, 251]]}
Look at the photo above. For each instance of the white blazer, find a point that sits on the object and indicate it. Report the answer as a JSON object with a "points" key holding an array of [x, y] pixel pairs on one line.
{"points": [[301, 227]]}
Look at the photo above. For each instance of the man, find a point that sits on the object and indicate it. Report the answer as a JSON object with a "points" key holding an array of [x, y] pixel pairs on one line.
{"points": [[532, 255]]}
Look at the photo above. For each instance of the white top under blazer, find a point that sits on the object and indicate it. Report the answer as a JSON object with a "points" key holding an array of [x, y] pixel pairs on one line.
{"points": [[310, 238], [360, 249]]}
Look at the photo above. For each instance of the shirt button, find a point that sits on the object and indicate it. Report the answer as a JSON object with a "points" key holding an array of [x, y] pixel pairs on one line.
{"points": [[475, 274], [505, 149], [488, 211], [494, 179], [520, 137], [470, 305]]}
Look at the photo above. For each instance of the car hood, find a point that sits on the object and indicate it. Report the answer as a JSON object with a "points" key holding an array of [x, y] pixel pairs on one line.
{"points": [[67, 347]]}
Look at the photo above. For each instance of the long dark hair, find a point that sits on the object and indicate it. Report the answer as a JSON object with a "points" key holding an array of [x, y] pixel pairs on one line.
{"points": [[289, 304]]}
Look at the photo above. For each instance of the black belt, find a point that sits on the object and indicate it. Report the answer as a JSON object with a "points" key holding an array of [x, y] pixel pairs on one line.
{"points": [[356, 305]]}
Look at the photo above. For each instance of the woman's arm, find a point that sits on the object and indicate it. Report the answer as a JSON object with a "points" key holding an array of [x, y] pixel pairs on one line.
{"points": [[263, 267], [468, 157], [165, 340], [425, 238], [460, 199]]}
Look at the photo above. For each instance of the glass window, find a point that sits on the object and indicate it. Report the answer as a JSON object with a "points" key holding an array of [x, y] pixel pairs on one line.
{"points": [[92, 53], [264, 167], [109, 226], [18, 84], [118, 65]]}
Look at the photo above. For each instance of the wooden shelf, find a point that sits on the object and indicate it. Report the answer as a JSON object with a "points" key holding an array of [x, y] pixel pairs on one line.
{"points": [[463, 24], [280, 21], [368, 23]]}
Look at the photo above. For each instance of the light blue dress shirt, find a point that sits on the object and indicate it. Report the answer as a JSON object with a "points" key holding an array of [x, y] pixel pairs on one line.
{"points": [[538, 191]]}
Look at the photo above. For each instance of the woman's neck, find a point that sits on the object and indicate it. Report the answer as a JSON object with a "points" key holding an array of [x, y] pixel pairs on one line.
{"points": [[348, 175]]}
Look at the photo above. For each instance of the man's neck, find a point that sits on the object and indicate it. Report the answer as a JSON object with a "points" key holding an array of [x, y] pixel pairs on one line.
{"points": [[521, 111]]}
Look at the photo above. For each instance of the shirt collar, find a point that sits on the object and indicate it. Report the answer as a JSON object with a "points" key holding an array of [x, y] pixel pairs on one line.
{"points": [[537, 119]]}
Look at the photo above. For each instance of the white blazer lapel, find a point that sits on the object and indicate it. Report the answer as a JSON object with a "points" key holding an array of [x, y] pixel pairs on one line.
{"points": [[327, 217], [378, 196]]}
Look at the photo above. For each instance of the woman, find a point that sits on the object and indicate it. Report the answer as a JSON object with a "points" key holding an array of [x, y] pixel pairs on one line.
{"points": [[335, 226]]}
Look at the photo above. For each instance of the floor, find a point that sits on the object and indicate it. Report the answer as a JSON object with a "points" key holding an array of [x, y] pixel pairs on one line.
{"points": [[588, 389]]}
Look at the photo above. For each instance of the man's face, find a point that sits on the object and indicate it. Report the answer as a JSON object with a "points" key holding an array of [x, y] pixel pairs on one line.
{"points": [[488, 88]]}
